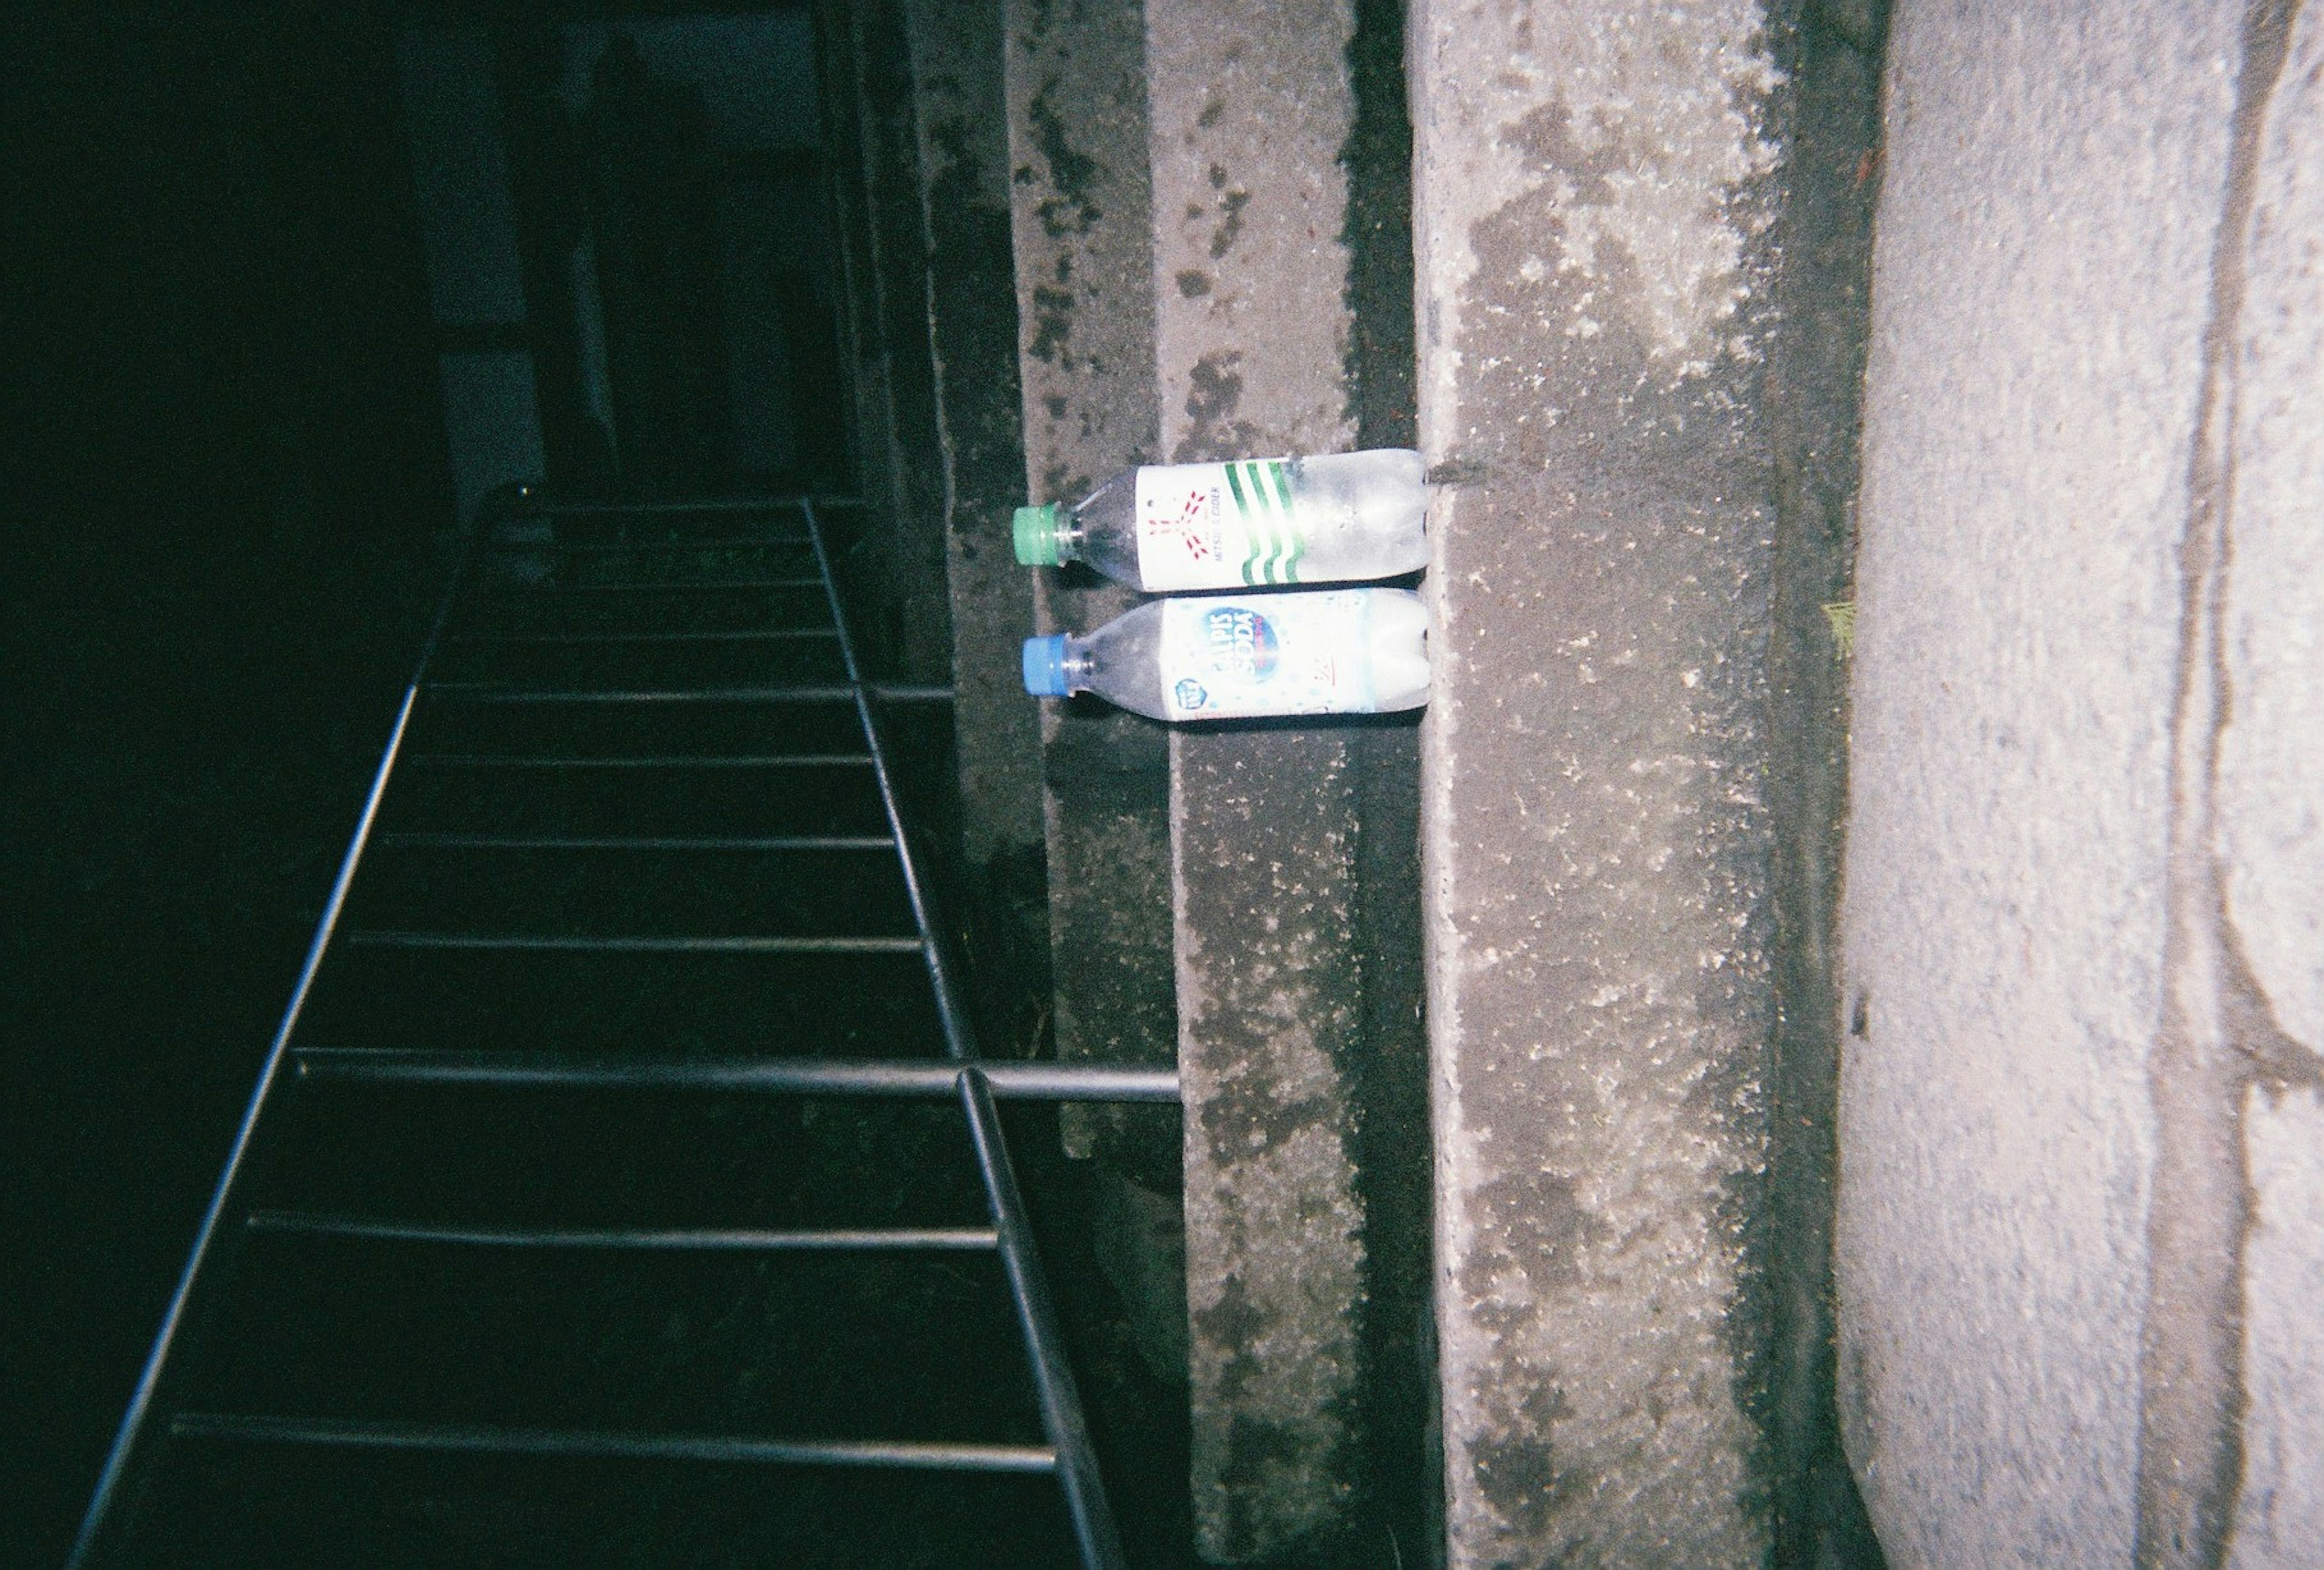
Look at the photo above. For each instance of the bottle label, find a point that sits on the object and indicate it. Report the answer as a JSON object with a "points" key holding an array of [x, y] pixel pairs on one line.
{"points": [[1230, 658], [1208, 526]]}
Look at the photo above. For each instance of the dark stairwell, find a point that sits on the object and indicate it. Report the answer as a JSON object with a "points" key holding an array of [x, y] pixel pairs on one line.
{"points": [[443, 1307]]}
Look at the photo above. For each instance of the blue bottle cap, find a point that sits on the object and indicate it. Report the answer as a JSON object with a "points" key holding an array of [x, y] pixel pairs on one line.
{"points": [[1044, 667]]}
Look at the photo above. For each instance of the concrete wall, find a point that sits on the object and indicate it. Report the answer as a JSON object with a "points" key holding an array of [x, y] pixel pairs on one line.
{"points": [[2081, 1229], [961, 95], [1081, 211], [896, 564], [1593, 191]]}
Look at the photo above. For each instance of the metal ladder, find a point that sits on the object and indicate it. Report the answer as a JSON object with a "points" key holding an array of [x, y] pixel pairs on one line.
{"points": [[638, 697]]}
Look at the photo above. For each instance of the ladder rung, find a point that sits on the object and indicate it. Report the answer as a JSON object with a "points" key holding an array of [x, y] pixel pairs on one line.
{"points": [[793, 1075], [749, 635], [382, 938], [419, 839], [674, 760], [745, 1239], [496, 692], [920, 1455], [693, 585], [722, 542]]}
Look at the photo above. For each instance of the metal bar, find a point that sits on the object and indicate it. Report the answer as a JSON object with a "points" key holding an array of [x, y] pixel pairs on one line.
{"points": [[691, 504], [674, 760], [418, 839], [124, 1443], [718, 543], [778, 1075], [1061, 1409], [495, 692], [749, 635], [1045, 1343], [633, 587], [380, 937], [910, 1454], [742, 1239]]}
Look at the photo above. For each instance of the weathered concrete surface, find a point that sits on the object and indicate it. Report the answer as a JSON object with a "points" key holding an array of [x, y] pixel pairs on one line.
{"points": [[961, 109], [1081, 221], [1250, 107], [1269, 1006], [1081, 216], [1592, 190], [2079, 1210], [962, 115]]}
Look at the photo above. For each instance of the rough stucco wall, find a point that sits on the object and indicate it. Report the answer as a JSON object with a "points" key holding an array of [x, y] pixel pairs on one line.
{"points": [[2271, 787], [2280, 1512], [1250, 107], [1592, 187], [2077, 1234]]}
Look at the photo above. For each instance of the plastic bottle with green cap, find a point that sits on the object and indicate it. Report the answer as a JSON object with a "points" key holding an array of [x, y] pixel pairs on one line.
{"points": [[1252, 524], [1201, 656]]}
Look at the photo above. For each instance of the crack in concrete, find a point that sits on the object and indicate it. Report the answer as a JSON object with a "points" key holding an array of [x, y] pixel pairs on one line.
{"points": [[2216, 1025]]}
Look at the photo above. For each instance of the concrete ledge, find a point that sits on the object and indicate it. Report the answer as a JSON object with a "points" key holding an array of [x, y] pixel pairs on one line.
{"points": [[1592, 186], [1250, 107]]}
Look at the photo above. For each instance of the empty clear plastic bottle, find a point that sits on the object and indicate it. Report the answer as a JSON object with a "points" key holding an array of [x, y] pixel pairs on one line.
{"points": [[1341, 519], [1361, 650]]}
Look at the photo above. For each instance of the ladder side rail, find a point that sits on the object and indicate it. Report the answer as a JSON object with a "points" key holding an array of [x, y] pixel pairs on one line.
{"points": [[1060, 1401]]}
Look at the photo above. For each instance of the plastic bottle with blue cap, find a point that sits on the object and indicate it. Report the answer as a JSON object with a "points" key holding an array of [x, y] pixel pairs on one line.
{"points": [[1210, 657]]}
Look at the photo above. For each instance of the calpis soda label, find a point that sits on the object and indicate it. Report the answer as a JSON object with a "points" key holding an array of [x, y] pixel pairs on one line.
{"points": [[1237, 657]]}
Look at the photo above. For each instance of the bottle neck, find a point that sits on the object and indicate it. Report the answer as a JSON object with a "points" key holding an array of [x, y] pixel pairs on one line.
{"points": [[1080, 665]]}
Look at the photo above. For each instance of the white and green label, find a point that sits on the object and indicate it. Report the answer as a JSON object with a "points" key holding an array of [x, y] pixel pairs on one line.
{"points": [[1228, 657], [1218, 526]]}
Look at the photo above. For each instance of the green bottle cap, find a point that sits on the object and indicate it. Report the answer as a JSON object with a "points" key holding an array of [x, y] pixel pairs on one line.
{"points": [[1037, 535]]}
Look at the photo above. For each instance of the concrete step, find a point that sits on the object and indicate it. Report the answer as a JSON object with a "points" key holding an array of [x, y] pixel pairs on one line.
{"points": [[1184, 289]]}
